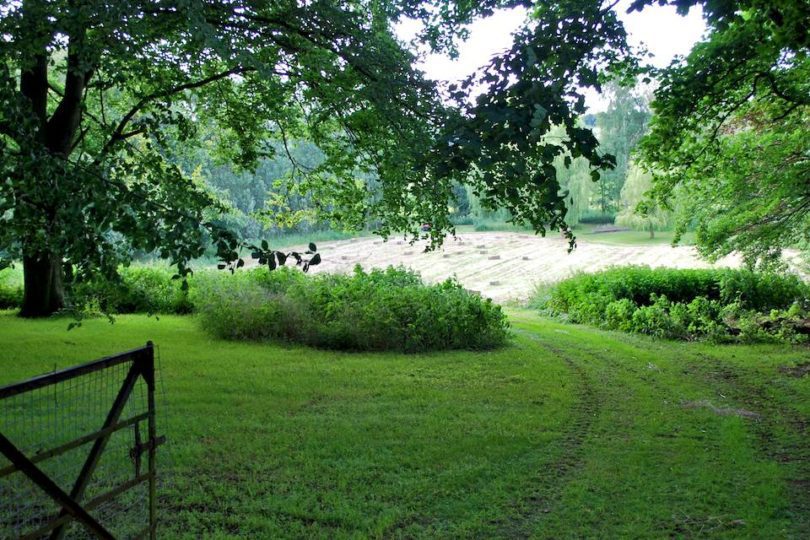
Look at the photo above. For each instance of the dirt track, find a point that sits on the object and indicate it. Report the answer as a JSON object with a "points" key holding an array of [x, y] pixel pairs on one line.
{"points": [[502, 265]]}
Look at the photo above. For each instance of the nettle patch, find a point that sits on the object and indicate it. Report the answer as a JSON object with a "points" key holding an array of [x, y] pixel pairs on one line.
{"points": [[380, 310], [717, 304]]}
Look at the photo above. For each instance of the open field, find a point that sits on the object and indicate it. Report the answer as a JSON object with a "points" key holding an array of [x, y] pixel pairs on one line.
{"points": [[569, 432], [504, 265]]}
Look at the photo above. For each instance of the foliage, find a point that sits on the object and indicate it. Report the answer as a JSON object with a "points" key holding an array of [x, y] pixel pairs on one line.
{"points": [[101, 102], [596, 218], [730, 129], [134, 289], [98, 98], [637, 211], [619, 128], [685, 304], [10, 288], [499, 143], [379, 310]]}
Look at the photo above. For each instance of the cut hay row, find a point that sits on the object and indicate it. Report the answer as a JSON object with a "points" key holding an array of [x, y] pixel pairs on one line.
{"points": [[502, 266]]}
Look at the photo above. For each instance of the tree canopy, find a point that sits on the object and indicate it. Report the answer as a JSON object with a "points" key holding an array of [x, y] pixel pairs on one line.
{"points": [[100, 100], [730, 129], [96, 96]]}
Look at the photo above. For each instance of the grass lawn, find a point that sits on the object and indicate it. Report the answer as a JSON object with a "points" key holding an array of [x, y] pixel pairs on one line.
{"points": [[630, 238], [569, 432]]}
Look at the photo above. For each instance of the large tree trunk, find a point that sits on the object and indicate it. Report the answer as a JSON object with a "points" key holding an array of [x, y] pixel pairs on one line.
{"points": [[43, 283], [44, 290]]}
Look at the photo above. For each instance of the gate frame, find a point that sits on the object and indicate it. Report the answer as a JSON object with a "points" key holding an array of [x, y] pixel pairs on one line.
{"points": [[143, 365]]}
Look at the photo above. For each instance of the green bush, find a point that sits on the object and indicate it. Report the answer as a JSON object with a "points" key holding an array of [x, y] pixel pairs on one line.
{"points": [[11, 291], [374, 311], [585, 296], [596, 218], [718, 304], [137, 289]]}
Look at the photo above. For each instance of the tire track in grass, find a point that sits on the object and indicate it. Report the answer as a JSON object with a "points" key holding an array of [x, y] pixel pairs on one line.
{"points": [[791, 450], [792, 453], [611, 379], [549, 482]]}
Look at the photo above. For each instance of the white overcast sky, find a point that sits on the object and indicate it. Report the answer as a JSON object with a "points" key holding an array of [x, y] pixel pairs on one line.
{"points": [[659, 28]]}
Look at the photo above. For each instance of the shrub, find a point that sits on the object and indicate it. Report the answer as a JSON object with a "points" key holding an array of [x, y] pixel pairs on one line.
{"points": [[619, 314], [761, 291], [596, 218], [141, 289], [380, 310], [718, 304], [11, 291]]}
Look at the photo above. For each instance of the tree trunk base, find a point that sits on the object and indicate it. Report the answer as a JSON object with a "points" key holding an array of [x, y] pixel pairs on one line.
{"points": [[44, 291]]}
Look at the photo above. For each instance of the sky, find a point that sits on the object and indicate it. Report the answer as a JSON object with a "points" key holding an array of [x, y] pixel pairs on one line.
{"points": [[659, 28]]}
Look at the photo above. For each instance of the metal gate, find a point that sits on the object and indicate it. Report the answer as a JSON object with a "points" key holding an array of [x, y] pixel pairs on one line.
{"points": [[78, 451]]}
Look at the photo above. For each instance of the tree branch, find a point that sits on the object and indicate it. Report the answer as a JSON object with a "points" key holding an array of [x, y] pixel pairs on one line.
{"points": [[65, 120], [118, 133]]}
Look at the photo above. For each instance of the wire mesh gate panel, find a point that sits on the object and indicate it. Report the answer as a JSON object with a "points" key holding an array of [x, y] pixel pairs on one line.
{"points": [[78, 449]]}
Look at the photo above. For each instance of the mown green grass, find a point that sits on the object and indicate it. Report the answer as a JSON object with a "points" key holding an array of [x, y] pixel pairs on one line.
{"points": [[569, 432], [630, 238]]}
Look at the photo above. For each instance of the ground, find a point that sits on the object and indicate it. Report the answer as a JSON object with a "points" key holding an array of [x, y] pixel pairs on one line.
{"points": [[568, 432]]}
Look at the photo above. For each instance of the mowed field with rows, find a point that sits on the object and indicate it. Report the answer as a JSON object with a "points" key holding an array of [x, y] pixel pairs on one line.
{"points": [[504, 266]]}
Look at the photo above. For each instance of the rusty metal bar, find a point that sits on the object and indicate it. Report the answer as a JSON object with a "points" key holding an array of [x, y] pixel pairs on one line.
{"points": [[98, 447], [69, 505], [148, 371], [77, 442], [69, 373], [90, 505]]}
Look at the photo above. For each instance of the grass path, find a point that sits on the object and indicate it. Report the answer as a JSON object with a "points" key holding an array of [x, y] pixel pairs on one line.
{"points": [[569, 432], [643, 424]]}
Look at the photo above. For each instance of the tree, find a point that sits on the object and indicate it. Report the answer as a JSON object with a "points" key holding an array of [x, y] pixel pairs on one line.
{"points": [[730, 130], [619, 129], [96, 96], [637, 211], [498, 144], [93, 91], [574, 177]]}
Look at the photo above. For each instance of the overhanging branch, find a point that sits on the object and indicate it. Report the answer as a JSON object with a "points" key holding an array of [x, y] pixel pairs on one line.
{"points": [[119, 134]]}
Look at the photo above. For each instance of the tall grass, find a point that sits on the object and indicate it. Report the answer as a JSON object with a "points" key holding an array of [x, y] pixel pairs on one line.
{"points": [[684, 304], [11, 287], [380, 310]]}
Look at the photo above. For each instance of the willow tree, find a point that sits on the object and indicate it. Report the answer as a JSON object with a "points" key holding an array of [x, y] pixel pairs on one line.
{"points": [[95, 96]]}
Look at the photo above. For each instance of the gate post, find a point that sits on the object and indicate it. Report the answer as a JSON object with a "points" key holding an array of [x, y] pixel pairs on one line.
{"points": [[148, 372]]}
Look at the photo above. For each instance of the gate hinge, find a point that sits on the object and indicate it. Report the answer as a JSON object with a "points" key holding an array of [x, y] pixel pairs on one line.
{"points": [[139, 448]]}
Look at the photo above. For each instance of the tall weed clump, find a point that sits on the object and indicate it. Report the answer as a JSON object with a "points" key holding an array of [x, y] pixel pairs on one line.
{"points": [[11, 288], [381, 310], [718, 304], [135, 289]]}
